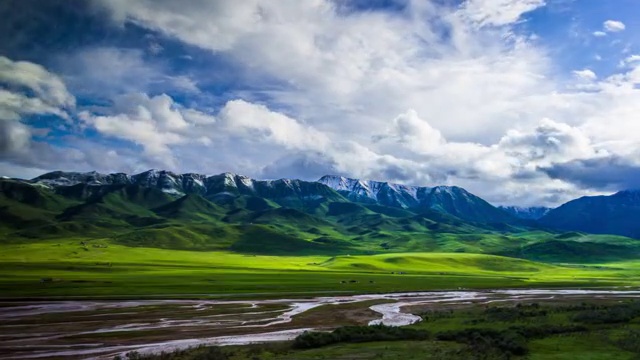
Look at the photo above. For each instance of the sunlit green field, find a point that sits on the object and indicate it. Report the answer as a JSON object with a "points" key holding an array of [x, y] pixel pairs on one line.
{"points": [[77, 267]]}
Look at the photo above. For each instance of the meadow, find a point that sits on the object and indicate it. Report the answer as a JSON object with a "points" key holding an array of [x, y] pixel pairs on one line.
{"points": [[102, 268]]}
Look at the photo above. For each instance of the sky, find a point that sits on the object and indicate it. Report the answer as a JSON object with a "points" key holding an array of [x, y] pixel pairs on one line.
{"points": [[522, 102]]}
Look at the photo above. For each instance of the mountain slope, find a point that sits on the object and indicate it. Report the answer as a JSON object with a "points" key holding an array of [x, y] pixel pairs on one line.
{"points": [[24, 205], [526, 213], [615, 214], [191, 207], [458, 202], [307, 196], [450, 200], [334, 216]]}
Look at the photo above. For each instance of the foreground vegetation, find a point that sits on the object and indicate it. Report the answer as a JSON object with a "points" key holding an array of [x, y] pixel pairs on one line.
{"points": [[96, 268], [597, 330]]}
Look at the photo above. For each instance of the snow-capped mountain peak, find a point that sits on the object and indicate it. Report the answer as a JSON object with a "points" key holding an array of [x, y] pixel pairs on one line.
{"points": [[358, 188], [448, 199], [528, 213]]}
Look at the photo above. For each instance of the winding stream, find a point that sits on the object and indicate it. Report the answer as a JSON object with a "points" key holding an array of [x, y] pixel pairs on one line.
{"points": [[103, 329]]}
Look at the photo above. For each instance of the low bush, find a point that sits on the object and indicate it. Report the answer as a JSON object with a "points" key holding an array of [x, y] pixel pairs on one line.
{"points": [[356, 334], [508, 314], [622, 313], [488, 341], [199, 353]]}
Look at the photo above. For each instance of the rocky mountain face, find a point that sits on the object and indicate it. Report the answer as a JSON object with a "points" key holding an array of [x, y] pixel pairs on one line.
{"points": [[452, 200], [526, 213], [211, 187], [615, 214], [375, 192]]}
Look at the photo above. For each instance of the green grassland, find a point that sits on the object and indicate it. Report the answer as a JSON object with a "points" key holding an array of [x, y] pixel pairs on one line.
{"points": [[101, 267], [118, 240], [331, 225]]}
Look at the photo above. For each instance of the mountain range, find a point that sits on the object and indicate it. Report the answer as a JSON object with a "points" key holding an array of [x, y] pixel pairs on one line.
{"points": [[450, 200], [332, 215]]}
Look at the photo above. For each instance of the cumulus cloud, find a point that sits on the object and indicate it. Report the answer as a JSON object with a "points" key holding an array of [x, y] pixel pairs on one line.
{"points": [[612, 173], [432, 94], [345, 72], [14, 137], [613, 26], [410, 131], [24, 75], [258, 123], [110, 71], [630, 60], [27, 89], [498, 12], [515, 161], [549, 142], [154, 123], [585, 74]]}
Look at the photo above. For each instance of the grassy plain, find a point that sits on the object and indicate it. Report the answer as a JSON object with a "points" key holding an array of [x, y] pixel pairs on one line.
{"points": [[102, 268]]}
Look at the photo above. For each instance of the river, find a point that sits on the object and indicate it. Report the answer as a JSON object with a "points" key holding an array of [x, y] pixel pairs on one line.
{"points": [[103, 329]]}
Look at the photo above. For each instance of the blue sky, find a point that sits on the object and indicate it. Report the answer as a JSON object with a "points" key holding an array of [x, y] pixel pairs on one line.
{"points": [[526, 102]]}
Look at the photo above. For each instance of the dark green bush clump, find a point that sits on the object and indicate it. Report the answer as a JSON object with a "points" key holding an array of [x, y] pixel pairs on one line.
{"points": [[518, 312], [610, 315], [630, 341], [505, 343], [355, 334], [538, 332], [488, 341], [199, 353], [432, 315]]}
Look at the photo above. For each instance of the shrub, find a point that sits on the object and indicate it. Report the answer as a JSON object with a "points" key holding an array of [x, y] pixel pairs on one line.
{"points": [[611, 315], [356, 334], [487, 341]]}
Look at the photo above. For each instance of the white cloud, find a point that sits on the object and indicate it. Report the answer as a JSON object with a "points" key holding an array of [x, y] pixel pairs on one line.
{"points": [[416, 134], [599, 33], [549, 142], [14, 137], [342, 73], [585, 74], [14, 105], [110, 71], [613, 26], [630, 60], [514, 161], [498, 12], [260, 124], [429, 95], [48, 87], [155, 123], [480, 92], [27, 89]]}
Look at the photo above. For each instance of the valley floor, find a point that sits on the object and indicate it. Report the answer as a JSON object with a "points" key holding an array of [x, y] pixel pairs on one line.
{"points": [[98, 268], [453, 324], [79, 298]]}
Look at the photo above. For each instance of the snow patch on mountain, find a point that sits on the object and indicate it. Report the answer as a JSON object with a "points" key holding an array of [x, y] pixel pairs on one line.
{"points": [[527, 213], [376, 191]]}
